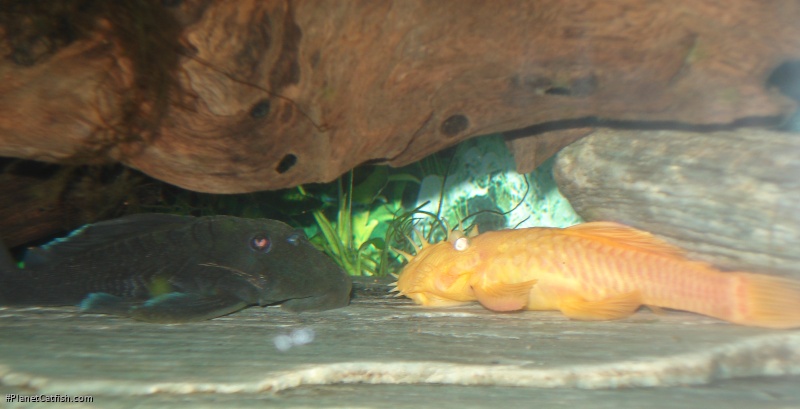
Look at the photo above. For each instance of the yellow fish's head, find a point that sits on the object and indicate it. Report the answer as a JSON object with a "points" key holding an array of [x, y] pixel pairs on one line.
{"points": [[438, 275]]}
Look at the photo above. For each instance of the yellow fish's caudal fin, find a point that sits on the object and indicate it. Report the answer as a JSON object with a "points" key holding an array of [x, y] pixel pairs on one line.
{"points": [[611, 308], [766, 301], [502, 296]]}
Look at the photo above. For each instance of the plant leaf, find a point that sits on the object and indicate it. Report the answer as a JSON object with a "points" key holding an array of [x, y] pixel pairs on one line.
{"points": [[366, 191]]}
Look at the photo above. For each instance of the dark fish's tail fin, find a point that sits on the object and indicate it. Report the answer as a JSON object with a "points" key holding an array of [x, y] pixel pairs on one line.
{"points": [[9, 276], [7, 263]]}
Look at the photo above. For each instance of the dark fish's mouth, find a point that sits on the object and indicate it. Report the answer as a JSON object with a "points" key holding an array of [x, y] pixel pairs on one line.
{"points": [[255, 281]]}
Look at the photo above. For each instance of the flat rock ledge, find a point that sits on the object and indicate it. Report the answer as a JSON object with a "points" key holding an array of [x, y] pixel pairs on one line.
{"points": [[382, 348], [729, 198]]}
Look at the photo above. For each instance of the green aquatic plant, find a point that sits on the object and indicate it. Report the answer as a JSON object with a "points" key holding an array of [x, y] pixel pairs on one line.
{"points": [[356, 238]]}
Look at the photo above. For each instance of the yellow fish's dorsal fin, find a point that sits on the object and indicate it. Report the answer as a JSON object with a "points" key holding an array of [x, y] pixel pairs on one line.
{"points": [[621, 235]]}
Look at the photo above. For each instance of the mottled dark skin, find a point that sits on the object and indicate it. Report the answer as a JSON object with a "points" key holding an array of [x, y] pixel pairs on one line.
{"points": [[167, 268]]}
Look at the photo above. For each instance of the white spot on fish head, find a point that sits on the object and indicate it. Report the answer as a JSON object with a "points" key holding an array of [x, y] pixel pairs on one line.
{"points": [[461, 244]]}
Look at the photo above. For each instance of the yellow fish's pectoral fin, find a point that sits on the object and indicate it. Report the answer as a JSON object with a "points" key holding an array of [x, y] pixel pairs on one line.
{"points": [[503, 296], [657, 310], [611, 308]]}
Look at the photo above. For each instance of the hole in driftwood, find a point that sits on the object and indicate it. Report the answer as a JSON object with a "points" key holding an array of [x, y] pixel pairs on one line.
{"points": [[557, 91], [260, 109], [786, 78], [286, 163], [454, 124]]}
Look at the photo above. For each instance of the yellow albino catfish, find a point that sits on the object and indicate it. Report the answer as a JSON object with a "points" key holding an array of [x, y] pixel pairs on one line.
{"points": [[591, 271]]}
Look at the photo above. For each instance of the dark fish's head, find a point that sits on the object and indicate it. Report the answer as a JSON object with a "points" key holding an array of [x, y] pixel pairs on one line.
{"points": [[276, 263]]}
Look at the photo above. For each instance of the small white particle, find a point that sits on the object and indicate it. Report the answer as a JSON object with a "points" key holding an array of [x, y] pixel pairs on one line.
{"points": [[296, 338], [302, 336], [283, 342]]}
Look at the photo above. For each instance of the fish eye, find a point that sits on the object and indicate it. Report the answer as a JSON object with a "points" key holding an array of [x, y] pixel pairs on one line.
{"points": [[260, 243], [295, 238]]}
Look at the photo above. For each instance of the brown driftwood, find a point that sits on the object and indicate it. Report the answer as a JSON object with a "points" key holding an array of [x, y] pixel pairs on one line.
{"points": [[35, 211], [531, 151], [46, 200], [275, 93]]}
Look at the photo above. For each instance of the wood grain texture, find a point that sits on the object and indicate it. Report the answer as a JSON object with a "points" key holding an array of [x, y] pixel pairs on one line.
{"points": [[276, 93]]}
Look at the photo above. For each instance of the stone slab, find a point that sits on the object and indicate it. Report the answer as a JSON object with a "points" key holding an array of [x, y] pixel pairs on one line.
{"points": [[730, 198], [381, 351]]}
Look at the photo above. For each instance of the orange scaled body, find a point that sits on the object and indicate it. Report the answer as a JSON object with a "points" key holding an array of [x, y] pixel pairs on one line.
{"points": [[592, 271]]}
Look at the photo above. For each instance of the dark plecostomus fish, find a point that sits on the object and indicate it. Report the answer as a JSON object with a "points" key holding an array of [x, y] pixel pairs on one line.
{"points": [[168, 268]]}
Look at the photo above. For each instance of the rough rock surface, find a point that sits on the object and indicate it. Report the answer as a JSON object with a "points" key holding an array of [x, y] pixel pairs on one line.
{"points": [[729, 198], [385, 351], [482, 180], [278, 93]]}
